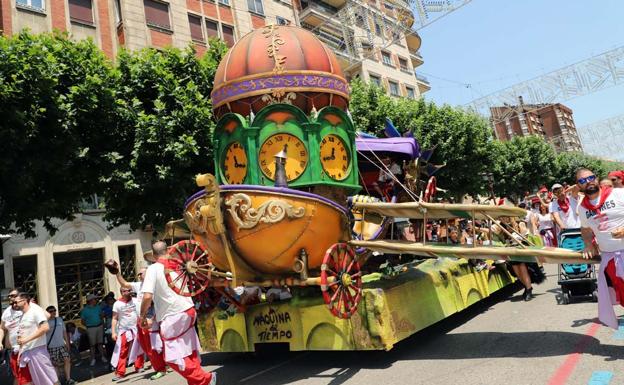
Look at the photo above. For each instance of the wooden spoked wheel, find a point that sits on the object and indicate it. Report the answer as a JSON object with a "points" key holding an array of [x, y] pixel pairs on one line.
{"points": [[188, 268], [341, 280], [207, 300], [431, 189]]}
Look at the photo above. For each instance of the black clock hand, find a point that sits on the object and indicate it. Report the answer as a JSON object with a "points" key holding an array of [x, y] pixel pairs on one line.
{"points": [[333, 154]]}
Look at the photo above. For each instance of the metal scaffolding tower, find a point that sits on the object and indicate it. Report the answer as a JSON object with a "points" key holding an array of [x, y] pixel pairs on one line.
{"points": [[582, 78], [398, 17], [604, 138]]}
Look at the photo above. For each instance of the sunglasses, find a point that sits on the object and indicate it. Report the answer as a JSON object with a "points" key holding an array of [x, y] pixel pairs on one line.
{"points": [[51, 310], [614, 179], [587, 179]]}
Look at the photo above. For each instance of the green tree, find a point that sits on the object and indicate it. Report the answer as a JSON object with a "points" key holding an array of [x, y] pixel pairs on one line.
{"points": [[56, 106], [165, 125], [462, 139], [521, 165], [569, 162]]}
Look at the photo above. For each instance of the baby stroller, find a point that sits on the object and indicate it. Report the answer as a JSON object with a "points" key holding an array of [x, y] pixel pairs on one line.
{"points": [[579, 279]]}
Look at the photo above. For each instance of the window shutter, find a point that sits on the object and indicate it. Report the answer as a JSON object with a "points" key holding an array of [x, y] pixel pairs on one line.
{"points": [[228, 34], [212, 28], [157, 14], [196, 28], [81, 10]]}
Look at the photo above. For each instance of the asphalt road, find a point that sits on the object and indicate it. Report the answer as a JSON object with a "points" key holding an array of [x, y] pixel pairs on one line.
{"points": [[501, 340]]}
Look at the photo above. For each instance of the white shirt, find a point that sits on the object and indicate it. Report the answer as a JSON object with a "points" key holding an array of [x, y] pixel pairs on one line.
{"points": [[126, 314], [570, 219], [166, 301], [29, 324], [56, 335], [544, 221], [384, 176], [611, 217], [11, 319]]}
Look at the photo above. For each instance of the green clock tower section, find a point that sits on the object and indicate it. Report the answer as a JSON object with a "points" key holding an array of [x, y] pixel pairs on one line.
{"points": [[320, 149]]}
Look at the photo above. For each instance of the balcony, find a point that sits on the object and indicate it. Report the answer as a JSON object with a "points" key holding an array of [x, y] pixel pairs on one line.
{"points": [[315, 13], [413, 41], [337, 45], [416, 58], [423, 83]]}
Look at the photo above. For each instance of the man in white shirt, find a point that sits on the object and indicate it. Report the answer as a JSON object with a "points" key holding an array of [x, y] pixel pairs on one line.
{"points": [[33, 359], [602, 225], [563, 208], [124, 332], [9, 324], [176, 316], [149, 339]]}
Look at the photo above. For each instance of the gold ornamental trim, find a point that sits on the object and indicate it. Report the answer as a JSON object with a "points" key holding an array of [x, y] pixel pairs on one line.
{"points": [[272, 211]]}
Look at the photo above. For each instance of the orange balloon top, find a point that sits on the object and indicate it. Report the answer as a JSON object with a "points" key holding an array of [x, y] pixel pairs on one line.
{"points": [[275, 61]]}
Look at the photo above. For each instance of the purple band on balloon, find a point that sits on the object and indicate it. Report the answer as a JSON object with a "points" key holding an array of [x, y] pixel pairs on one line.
{"points": [[282, 83], [273, 190]]}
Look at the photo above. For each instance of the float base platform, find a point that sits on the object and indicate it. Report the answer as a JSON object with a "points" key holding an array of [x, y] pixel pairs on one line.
{"points": [[391, 310]]}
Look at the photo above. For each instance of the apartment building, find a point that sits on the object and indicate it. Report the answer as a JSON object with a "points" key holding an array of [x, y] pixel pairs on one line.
{"points": [[553, 122], [369, 40], [367, 36]]}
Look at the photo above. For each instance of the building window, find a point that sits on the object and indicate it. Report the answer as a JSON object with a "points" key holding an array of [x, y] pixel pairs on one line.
{"points": [[386, 58], [81, 11], [35, 4], [196, 28], [377, 29], [410, 92], [212, 29], [117, 9], [376, 80], [403, 64], [228, 34], [255, 6], [281, 21], [224, 2], [157, 14], [394, 88]]}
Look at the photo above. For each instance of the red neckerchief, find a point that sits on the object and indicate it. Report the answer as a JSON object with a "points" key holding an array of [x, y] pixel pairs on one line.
{"points": [[565, 204], [604, 194], [167, 262]]}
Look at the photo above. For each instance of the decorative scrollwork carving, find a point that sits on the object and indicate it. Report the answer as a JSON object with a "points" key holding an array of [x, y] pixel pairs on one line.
{"points": [[271, 32], [272, 211]]}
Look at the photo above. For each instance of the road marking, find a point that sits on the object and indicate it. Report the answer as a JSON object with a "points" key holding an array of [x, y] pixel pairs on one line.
{"points": [[565, 370], [273, 367], [600, 378]]}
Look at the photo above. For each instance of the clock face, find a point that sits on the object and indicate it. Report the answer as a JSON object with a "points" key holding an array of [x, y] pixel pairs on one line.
{"points": [[295, 149], [334, 157], [235, 163]]}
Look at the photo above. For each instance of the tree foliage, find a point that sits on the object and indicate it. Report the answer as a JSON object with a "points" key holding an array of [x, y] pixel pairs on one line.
{"points": [[56, 103], [462, 139], [521, 164], [569, 162], [165, 126]]}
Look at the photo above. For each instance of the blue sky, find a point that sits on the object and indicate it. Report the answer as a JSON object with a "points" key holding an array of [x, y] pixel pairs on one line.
{"points": [[492, 44]]}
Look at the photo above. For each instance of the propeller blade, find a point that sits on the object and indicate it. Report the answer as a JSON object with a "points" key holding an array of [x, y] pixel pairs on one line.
{"points": [[390, 130]]}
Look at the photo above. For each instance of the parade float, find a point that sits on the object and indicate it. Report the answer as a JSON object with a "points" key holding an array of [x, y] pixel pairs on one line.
{"points": [[281, 212]]}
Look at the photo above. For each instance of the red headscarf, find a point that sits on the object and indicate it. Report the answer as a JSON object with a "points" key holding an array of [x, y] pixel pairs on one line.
{"points": [[616, 174], [604, 194]]}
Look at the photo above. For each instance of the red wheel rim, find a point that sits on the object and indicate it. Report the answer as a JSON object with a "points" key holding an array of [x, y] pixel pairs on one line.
{"points": [[431, 189], [188, 268], [341, 280]]}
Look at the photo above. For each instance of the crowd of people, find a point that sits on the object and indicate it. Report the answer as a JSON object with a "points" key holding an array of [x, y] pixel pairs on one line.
{"points": [[150, 321], [147, 321]]}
